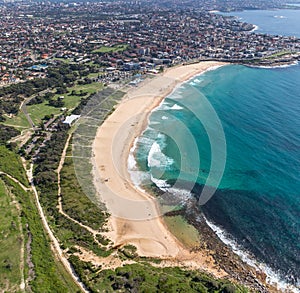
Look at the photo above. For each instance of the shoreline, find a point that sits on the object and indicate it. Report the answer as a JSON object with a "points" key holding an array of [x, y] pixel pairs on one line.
{"points": [[135, 217], [125, 124]]}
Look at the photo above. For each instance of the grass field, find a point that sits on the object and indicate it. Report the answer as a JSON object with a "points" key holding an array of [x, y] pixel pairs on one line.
{"points": [[49, 273], [75, 202], [89, 88], [105, 49], [278, 54], [18, 121], [10, 243], [11, 163], [39, 111], [64, 60], [94, 75]]}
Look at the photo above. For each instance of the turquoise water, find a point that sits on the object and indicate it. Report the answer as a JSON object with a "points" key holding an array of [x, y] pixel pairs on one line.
{"points": [[257, 201]]}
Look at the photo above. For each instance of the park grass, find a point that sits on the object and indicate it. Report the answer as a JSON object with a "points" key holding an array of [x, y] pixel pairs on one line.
{"points": [[17, 121], [70, 101], [88, 88], [278, 54], [38, 111], [64, 60], [94, 75], [106, 49], [11, 164], [11, 243]]}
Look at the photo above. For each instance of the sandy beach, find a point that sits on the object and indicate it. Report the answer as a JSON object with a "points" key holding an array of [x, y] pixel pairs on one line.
{"points": [[135, 217]]}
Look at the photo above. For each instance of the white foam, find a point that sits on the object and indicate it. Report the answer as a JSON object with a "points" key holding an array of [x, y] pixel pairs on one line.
{"points": [[198, 80], [154, 122], [164, 118], [161, 184], [131, 162], [152, 157], [167, 106], [212, 68], [156, 158], [144, 140], [139, 178], [181, 195], [272, 277], [275, 66], [256, 27], [176, 107]]}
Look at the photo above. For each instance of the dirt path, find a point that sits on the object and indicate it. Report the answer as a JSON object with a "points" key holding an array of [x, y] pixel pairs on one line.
{"points": [[59, 206], [54, 242], [23, 137]]}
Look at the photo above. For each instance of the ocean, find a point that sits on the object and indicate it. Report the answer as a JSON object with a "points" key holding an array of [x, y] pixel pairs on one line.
{"points": [[275, 22], [236, 130]]}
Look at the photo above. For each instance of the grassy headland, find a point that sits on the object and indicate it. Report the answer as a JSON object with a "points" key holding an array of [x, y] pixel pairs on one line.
{"points": [[42, 271]]}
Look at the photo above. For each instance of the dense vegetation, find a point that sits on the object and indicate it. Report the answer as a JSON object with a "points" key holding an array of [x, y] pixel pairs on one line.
{"points": [[69, 232], [43, 271], [6, 133], [48, 159], [146, 278], [58, 78]]}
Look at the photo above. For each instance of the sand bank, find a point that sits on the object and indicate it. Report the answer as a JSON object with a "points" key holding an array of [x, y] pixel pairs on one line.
{"points": [[135, 217]]}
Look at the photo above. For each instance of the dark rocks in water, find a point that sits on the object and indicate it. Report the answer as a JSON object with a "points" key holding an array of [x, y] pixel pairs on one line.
{"points": [[222, 254]]}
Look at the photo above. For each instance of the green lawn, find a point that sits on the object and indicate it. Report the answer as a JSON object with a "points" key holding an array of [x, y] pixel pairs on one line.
{"points": [[64, 60], [90, 88], [278, 54], [10, 242], [105, 49], [93, 75], [18, 121], [38, 111]]}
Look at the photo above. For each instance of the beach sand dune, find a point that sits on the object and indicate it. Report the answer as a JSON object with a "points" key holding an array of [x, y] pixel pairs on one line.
{"points": [[135, 217]]}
